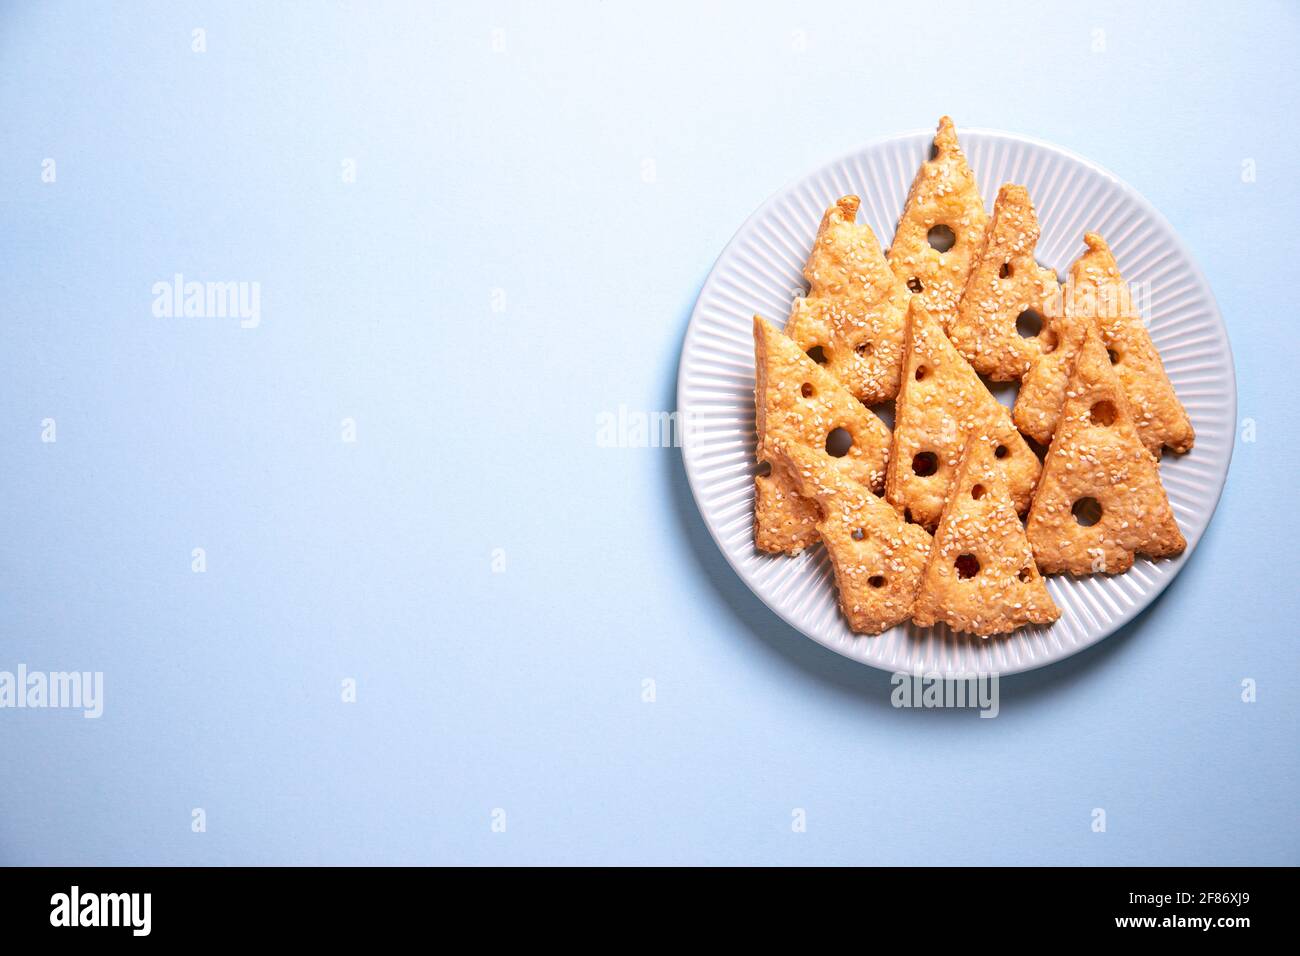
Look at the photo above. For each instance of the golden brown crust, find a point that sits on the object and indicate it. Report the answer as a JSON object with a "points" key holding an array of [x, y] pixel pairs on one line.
{"points": [[1006, 282], [1038, 402], [784, 520], [943, 193], [940, 402], [855, 307], [981, 577], [797, 402], [876, 556], [1096, 290], [1097, 454]]}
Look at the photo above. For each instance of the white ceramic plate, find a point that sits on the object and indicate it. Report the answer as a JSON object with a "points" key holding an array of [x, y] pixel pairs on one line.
{"points": [[760, 272]]}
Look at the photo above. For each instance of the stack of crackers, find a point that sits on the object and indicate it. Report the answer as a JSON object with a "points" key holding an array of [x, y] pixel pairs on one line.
{"points": [[953, 516]]}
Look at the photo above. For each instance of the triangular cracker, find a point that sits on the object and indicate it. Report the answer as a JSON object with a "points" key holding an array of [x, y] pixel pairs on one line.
{"points": [[1006, 283], [1042, 389], [944, 198], [981, 577], [1097, 290], [797, 402], [855, 307], [1038, 401], [877, 557], [940, 402], [1097, 463]]}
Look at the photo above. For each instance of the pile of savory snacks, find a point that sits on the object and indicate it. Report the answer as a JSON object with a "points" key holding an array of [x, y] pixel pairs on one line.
{"points": [[924, 523]]}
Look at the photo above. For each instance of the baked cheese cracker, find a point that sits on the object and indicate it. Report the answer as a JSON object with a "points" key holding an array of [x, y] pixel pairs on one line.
{"points": [[1100, 500], [1038, 401], [1096, 290], [855, 308], [877, 557], [1001, 322], [941, 231], [940, 402], [785, 522], [980, 576], [797, 402]]}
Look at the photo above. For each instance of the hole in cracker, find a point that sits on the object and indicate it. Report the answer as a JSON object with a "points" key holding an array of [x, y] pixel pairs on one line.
{"points": [[1114, 356], [1029, 323], [876, 580], [857, 534], [806, 390], [1001, 451], [1005, 271], [764, 469], [1087, 511], [907, 516], [925, 464], [865, 348], [1103, 413], [838, 442], [941, 237], [1026, 575], [967, 565], [914, 284], [977, 492], [817, 354], [921, 372]]}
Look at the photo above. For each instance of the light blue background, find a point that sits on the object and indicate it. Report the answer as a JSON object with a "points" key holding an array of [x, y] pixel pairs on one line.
{"points": [[522, 171]]}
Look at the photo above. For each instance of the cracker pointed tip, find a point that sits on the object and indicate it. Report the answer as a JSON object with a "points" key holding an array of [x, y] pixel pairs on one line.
{"points": [[1095, 242], [917, 313], [1013, 192], [848, 206], [945, 137]]}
